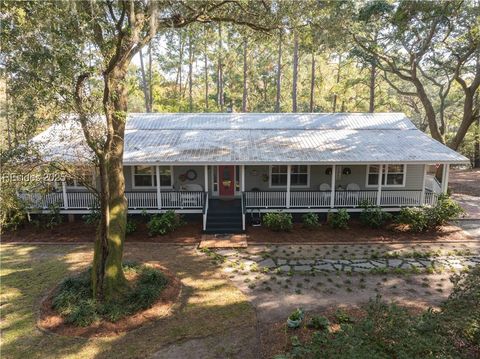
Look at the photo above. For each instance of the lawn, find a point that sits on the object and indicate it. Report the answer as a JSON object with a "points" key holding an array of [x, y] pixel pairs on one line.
{"points": [[209, 304]]}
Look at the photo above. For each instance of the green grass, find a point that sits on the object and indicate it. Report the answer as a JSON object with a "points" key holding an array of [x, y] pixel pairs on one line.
{"points": [[209, 304]]}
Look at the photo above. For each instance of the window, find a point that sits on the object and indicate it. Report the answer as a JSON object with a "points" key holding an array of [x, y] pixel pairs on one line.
{"points": [[299, 176], [81, 178], [145, 176], [215, 179], [237, 178], [392, 176]]}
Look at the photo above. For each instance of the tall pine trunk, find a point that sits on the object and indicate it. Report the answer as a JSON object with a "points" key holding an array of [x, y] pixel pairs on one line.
{"points": [[205, 66], [295, 71], [144, 83], [150, 78], [190, 71], [373, 69], [312, 83], [220, 96], [337, 82], [279, 72], [245, 73]]}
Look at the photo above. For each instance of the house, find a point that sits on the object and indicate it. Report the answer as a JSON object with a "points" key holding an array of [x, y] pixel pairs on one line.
{"points": [[226, 166]]}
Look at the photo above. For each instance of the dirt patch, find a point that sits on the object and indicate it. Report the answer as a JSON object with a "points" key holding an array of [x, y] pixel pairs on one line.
{"points": [[465, 182], [51, 321], [355, 233], [78, 231]]}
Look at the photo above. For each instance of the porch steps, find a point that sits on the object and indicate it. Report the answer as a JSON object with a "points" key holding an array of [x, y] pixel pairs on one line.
{"points": [[224, 217]]}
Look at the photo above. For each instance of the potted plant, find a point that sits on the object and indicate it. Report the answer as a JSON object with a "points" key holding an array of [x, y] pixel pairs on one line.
{"points": [[295, 319]]}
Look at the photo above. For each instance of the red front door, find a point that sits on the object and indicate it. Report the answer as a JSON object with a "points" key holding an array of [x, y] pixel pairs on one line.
{"points": [[226, 177]]}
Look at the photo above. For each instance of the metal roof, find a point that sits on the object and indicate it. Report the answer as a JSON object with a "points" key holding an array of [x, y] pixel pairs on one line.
{"points": [[263, 138]]}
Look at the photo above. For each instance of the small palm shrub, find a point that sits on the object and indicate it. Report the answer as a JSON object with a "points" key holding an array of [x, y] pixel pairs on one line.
{"points": [[339, 219], [278, 221], [161, 224], [373, 216], [310, 220], [93, 217], [131, 226]]}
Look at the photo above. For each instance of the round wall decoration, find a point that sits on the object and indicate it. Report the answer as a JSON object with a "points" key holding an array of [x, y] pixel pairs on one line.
{"points": [[347, 171], [191, 175], [328, 171]]}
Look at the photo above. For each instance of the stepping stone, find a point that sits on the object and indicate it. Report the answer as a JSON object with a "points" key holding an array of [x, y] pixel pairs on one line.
{"points": [[395, 263], [361, 269], [281, 262], [324, 266], [269, 263], [284, 268], [306, 261], [303, 268], [227, 252], [406, 265]]}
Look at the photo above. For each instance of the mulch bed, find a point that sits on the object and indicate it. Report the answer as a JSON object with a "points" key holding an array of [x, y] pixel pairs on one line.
{"points": [[52, 322], [355, 233], [79, 231]]}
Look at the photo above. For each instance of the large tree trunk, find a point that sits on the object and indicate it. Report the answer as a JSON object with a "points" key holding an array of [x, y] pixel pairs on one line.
{"points": [[245, 74], [312, 83], [295, 71], [144, 83], [334, 109], [373, 70], [476, 146], [467, 120], [279, 72], [150, 78], [429, 110]]}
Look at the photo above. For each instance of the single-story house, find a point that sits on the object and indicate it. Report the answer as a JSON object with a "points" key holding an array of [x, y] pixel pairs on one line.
{"points": [[229, 166]]}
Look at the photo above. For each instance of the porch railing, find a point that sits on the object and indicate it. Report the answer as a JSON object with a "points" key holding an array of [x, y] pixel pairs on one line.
{"points": [[135, 200], [322, 199]]}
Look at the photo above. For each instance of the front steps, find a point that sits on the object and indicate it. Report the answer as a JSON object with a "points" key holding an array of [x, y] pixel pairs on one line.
{"points": [[224, 217]]}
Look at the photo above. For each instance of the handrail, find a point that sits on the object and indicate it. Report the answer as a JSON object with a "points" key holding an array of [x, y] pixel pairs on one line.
{"points": [[205, 203], [243, 202]]}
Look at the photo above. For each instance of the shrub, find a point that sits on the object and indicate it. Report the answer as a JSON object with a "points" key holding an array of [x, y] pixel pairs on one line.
{"points": [[339, 219], [278, 221], [93, 217], [373, 217], [310, 220], [164, 223], [73, 299], [50, 219], [13, 213], [421, 219], [131, 226], [319, 322]]}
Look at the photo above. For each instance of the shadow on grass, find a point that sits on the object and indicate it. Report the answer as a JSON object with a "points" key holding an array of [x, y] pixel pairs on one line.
{"points": [[209, 305]]}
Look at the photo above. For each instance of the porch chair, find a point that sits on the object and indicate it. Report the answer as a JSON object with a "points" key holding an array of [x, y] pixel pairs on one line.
{"points": [[353, 193], [325, 189], [190, 198]]}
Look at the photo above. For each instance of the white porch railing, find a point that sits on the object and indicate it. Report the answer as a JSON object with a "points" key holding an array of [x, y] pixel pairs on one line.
{"points": [[135, 200], [321, 199]]}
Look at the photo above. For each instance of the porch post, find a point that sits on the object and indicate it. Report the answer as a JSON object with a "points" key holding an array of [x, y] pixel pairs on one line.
{"points": [[445, 173], [332, 185], [242, 189], [422, 196], [159, 195], [289, 171], [65, 199], [206, 178], [380, 178]]}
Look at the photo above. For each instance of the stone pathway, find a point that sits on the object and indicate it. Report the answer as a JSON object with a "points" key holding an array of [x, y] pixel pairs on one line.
{"points": [[254, 262]]}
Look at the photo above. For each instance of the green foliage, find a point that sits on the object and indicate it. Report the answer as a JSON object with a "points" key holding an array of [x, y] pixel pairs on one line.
{"points": [[318, 322], [373, 216], [310, 220], [13, 212], [93, 217], [50, 219], [338, 219], [73, 299], [164, 223], [421, 219], [342, 316], [131, 226], [278, 221], [390, 331]]}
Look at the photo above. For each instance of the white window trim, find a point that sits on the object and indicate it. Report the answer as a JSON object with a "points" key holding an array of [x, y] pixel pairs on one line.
{"points": [[132, 170], [291, 186], [384, 184], [77, 185]]}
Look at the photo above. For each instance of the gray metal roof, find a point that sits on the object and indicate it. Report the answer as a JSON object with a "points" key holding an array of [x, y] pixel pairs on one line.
{"points": [[264, 138]]}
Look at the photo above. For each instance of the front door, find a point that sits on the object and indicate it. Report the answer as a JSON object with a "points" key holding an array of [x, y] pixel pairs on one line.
{"points": [[226, 179]]}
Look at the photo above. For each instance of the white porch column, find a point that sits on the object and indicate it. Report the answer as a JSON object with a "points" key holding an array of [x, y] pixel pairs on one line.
{"points": [[332, 187], [65, 199], [206, 178], [445, 173], [422, 196], [380, 179], [242, 189], [289, 171], [159, 194]]}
